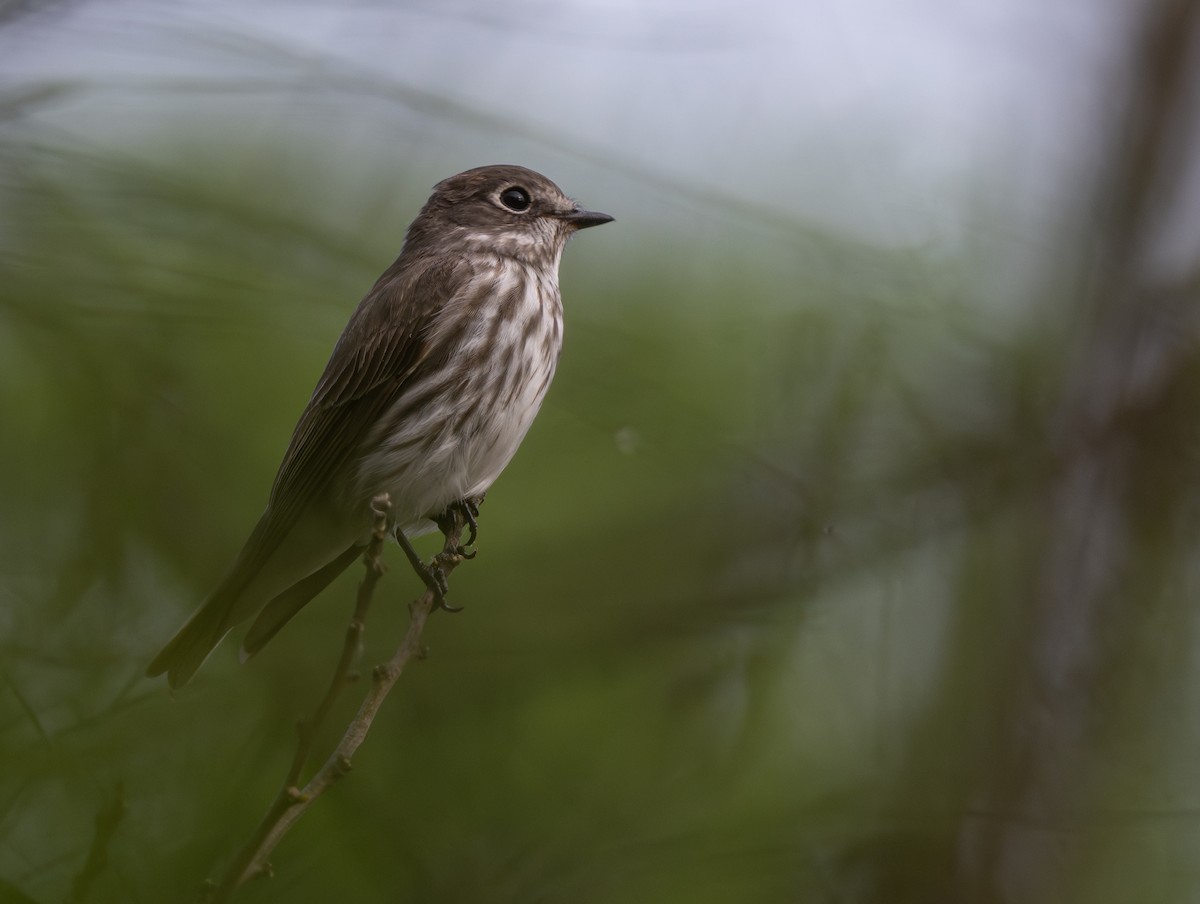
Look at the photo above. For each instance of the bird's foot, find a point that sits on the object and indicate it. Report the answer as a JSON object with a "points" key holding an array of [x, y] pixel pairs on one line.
{"points": [[460, 514], [433, 574], [451, 522]]}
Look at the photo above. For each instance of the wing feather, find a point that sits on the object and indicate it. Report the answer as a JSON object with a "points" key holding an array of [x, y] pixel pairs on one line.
{"points": [[391, 337], [377, 356]]}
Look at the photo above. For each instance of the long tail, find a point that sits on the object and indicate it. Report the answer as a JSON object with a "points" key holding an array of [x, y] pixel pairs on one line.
{"points": [[192, 644]]}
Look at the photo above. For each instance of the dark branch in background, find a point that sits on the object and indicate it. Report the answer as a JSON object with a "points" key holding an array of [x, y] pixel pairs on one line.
{"points": [[292, 800], [1118, 512], [107, 821]]}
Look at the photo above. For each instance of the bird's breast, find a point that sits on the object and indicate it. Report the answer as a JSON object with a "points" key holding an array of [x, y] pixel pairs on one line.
{"points": [[451, 431], [517, 344]]}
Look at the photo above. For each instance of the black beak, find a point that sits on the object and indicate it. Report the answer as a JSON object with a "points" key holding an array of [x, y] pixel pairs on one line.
{"points": [[582, 219]]}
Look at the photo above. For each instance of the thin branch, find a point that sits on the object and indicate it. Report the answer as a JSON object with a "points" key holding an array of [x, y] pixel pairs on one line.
{"points": [[291, 802]]}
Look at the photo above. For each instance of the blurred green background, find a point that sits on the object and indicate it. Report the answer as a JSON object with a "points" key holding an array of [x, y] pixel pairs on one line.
{"points": [[851, 559]]}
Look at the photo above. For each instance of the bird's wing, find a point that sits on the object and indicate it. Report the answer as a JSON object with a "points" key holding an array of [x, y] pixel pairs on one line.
{"points": [[389, 342], [383, 348]]}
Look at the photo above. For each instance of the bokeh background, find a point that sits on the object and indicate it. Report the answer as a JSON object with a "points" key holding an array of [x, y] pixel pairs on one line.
{"points": [[852, 558]]}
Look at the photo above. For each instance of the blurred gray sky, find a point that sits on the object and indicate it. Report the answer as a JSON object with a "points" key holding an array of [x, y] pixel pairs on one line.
{"points": [[892, 119]]}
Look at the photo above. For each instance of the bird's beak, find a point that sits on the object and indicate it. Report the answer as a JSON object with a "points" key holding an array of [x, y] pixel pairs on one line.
{"points": [[582, 219]]}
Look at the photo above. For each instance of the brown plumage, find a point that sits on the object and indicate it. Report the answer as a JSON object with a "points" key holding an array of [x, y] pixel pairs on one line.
{"points": [[428, 392]]}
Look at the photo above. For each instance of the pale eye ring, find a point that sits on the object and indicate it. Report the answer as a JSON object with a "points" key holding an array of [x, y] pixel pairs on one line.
{"points": [[516, 199]]}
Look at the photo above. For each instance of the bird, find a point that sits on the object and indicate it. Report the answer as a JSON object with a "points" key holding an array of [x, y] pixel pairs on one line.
{"points": [[428, 392]]}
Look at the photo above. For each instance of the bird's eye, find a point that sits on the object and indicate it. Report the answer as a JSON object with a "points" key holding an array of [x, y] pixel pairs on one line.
{"points": [[515, 198]]}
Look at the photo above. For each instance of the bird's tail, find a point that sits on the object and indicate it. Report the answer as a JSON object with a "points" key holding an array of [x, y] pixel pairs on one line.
{"points": [[230, 604], [187, 650]]}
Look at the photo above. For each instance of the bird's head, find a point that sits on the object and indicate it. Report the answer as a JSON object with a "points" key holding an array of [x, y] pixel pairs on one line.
{"points": [[503, 209]]}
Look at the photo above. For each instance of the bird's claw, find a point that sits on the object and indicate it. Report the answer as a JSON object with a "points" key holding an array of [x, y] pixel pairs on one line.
{"points": [[463, 513], [457, 515], [434, 577]]}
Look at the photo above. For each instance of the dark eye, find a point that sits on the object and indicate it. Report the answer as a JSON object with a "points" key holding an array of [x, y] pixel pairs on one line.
{"points": [[515, 198]]}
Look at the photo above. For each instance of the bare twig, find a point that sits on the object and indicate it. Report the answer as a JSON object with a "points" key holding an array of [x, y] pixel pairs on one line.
{"points": [[291, 802]]}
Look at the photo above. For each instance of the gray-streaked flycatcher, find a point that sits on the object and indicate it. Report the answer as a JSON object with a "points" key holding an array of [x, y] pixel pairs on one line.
{"points": [[430, 389]]}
